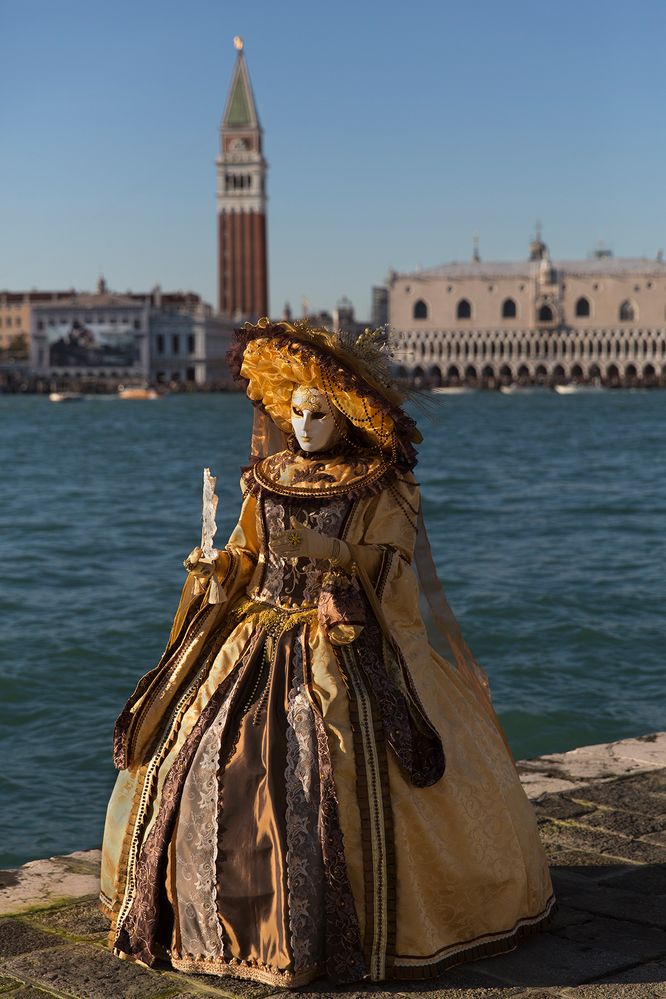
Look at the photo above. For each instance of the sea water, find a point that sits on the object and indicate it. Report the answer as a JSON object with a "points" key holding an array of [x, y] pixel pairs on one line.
{"points": [[546, 515]]}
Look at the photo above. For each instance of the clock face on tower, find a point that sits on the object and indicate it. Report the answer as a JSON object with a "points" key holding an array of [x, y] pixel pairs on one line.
{"points": [[237, 145]]}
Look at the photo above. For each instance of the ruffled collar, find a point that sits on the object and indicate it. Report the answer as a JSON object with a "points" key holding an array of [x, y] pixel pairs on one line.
{"points": [[318, 475]]}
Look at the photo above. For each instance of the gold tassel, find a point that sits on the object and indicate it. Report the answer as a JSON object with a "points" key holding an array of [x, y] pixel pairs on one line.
{"points": [[216, 593]]}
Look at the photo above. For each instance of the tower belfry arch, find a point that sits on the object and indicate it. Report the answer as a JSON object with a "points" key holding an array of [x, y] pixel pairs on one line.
{"points": [[241, 202]]}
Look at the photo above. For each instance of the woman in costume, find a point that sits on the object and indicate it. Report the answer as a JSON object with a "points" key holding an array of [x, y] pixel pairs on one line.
{"points": [[308, 787]]}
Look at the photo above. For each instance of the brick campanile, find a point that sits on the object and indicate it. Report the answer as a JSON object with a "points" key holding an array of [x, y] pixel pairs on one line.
{"points": [[241, 203]]}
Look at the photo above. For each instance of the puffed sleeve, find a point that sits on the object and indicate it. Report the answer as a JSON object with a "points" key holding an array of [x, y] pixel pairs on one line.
{"points": [[388, 531], [382, 556], [195, 613], [386, 537]]}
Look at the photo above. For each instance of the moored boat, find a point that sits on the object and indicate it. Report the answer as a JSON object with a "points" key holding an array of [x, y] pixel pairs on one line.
{"points": [[137, 392], [65, 396], [578, 387], [516, 389], [453, 389]]}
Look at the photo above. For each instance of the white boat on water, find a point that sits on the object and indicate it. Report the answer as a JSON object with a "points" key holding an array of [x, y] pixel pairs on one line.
{"points": [[578, 387], [65, 396], [453, 389], [515, 389]]}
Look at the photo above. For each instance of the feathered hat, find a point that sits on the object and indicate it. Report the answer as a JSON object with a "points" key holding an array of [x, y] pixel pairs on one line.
{"points": [[352, 370]]}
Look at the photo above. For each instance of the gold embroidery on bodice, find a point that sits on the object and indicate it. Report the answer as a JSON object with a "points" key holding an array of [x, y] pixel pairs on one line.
{"points": [[294, 474], [295, 582]]}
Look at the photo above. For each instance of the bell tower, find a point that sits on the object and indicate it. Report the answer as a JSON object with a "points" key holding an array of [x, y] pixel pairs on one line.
{"points": [[241, 203]]}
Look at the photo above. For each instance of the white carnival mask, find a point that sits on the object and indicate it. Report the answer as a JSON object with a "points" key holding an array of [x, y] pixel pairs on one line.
{"points": [[312, 419]]}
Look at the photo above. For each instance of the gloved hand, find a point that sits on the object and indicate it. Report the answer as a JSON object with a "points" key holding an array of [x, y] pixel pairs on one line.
{"points": [[302, 542], [203, 571], [196, 567]]}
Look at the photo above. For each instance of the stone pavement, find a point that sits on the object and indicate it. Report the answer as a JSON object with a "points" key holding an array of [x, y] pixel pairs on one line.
{"points": [[602, 814]]}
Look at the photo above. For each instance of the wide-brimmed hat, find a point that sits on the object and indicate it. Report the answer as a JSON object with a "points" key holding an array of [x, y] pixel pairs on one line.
{"points": [[352, 370]]}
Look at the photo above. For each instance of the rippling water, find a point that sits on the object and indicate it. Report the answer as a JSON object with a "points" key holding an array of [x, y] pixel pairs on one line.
{"points": [[546, 513]]}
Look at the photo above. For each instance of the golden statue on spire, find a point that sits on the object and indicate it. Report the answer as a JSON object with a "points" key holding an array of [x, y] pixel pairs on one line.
{"points": [[238, 43]]}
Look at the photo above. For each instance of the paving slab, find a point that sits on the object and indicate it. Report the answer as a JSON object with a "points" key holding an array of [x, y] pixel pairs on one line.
{"points": [[28, 992], [624, 822], [560, 806], [656, 837], [594, 763], [647, 879], [608, 899], [17, 937], [566, 916], [591, 866], [8, 983], [647, 981], [438, 989], [639, 942], [208, 987], [599, 841], [627, 794], [42, 882], [83, 919], [88, 972], [552, 960]]}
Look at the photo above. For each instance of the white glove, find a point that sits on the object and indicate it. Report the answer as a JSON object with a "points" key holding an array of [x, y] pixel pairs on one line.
{"points": [[302, 542]]}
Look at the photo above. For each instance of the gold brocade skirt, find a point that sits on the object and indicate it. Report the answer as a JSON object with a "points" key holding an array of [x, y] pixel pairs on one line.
{"points": [[272, 834]]}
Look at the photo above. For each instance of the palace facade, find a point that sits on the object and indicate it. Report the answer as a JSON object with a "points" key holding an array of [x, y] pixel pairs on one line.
{"points": [[538, 321]]}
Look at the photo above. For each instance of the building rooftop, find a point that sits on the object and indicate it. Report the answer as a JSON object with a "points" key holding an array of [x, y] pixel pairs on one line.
{"points": [[486, 269], [86, 300]]}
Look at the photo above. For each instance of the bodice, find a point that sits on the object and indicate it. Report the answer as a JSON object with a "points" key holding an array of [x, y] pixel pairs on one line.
{"points": [[295, 582]]}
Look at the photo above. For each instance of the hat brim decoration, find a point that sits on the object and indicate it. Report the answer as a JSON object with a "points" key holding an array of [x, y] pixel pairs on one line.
{"points": [[270, 359]]}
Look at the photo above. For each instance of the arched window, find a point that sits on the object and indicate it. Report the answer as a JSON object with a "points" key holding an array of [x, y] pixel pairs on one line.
{"points": [[545, 314], [508, 309], [627, 312], [420, 309], [464, 309], [583, 306]]}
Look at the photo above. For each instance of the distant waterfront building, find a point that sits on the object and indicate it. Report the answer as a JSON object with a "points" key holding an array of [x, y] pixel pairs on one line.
{"points": [[131, 337], [241, 203], [90, 335], [341, 318], [189, 345], [380, 306], [533, 321], [16, 313]]}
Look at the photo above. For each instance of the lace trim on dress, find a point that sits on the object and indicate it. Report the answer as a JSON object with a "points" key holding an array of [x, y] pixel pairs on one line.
{"points": [[138, 934], [197, 845], [305, 870], [344, 955]]}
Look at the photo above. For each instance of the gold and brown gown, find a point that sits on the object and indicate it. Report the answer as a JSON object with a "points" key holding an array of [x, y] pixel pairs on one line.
{"points": [[306, 787]]}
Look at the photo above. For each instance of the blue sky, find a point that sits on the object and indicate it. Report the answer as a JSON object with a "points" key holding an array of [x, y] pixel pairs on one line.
{"points": [[394, 132]]}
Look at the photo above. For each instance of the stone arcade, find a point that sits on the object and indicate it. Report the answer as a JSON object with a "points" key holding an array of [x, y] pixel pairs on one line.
{"points": [[599, 320]]}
